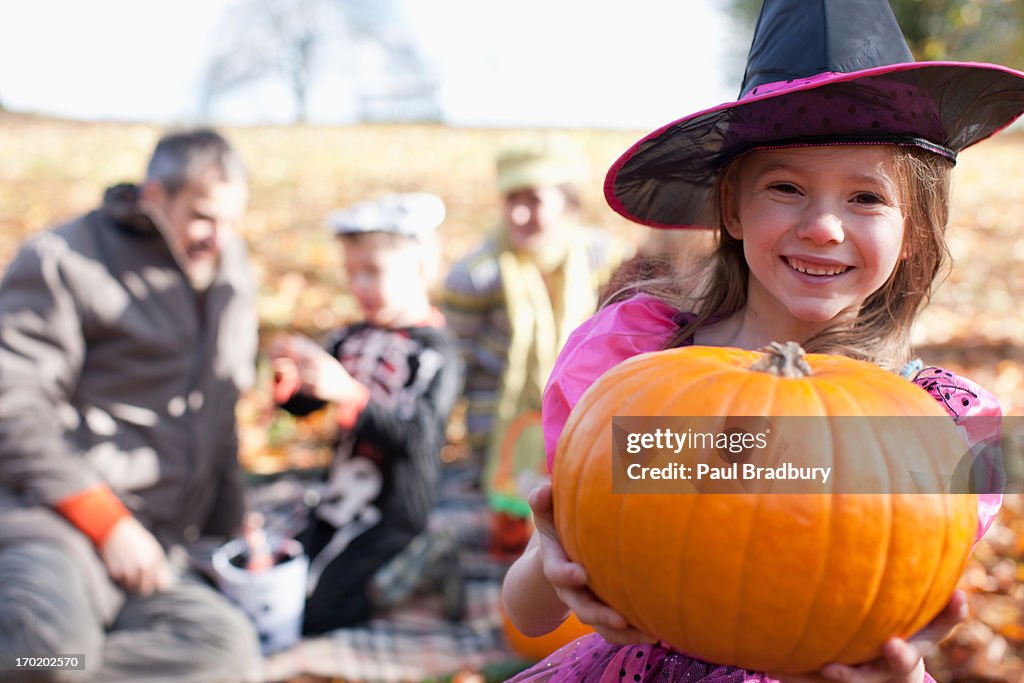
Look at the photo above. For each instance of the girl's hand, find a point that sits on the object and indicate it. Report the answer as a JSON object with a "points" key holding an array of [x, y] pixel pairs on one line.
{"points": [[570, 579], [901, 660]]}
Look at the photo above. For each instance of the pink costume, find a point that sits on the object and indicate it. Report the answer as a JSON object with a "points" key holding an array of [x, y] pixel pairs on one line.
{"points": [[640, 325]]}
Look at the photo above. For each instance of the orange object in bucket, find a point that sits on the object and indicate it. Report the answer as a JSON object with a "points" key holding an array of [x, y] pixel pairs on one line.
{"points": [[258, 555]]}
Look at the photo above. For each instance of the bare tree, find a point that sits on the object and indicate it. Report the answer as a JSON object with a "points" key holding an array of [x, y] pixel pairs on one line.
{"points": [[266, 39], [286, 40]]}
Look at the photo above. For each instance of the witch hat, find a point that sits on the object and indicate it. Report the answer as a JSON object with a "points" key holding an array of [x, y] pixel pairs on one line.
{"points": [[821, 72]]}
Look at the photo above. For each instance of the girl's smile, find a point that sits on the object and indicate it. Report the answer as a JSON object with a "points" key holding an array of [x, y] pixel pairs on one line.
{"points": [[816, 270]]}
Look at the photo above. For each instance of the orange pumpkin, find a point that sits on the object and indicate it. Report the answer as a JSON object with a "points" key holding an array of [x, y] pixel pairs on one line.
{"points": [[536, 649], [767, 582]]}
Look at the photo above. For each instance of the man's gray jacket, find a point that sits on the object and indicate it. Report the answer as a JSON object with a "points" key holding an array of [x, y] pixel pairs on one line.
{"points": [[114, 369]]}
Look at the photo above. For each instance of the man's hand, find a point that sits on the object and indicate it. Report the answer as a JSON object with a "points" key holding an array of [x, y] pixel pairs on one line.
{"points": [[135, 559]]}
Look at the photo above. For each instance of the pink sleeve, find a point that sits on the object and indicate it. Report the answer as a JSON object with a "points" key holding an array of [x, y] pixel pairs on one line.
{"points": [[613, 334], [977, 413]]}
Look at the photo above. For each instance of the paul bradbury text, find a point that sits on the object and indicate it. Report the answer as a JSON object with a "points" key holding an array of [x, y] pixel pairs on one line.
{"points": [[734, 471]]}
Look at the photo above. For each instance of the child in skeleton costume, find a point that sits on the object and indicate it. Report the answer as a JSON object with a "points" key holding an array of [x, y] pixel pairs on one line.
{"points": [[394, 378]]}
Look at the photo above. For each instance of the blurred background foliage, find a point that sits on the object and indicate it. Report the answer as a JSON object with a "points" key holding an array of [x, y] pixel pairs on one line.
{"points": [[960, 30]]}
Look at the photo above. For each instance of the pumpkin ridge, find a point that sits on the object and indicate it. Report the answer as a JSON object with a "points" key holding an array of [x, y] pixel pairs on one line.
{"points": [[738, 632], [938, 560], [681, 624], [684, 577], [887, 564], [823, 385], [577, 518], [936, 572], [947, 547], [892, 500], [820, 586], [714, 371], [818, 590], [574, 470], [622, 558], [817, 391], [752, 382], [952, 529], [753, 378], [936, 568], [837, 387], [886, 561], [622, 405], [687, 564], [579, 501]]}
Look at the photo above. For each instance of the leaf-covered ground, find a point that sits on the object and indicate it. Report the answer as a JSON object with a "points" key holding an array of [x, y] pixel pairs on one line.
{"points": [[52, 170]]}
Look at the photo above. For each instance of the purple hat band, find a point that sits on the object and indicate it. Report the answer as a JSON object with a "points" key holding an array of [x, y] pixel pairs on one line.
{"points": [[664, 180], [870, 110]]}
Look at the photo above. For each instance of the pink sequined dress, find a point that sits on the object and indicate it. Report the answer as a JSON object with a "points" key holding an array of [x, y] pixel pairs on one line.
{"points": [[639, 325]]}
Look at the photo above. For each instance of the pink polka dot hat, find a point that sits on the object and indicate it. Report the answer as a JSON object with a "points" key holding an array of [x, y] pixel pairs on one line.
{"points": [[819, 72]]}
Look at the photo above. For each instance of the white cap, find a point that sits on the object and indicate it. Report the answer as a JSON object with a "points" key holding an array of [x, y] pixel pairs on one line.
{"points": [[413, 215]]}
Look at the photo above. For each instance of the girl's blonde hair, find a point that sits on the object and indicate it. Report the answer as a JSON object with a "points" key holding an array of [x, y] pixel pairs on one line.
{"points": [[881, 331]]}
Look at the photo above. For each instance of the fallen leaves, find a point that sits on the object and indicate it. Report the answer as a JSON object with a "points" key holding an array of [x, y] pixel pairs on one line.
{"points": [[990, 645]]}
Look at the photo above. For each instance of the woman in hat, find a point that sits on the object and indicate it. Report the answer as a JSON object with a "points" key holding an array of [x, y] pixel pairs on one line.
{"points": [[828, 184], [512, 302]]}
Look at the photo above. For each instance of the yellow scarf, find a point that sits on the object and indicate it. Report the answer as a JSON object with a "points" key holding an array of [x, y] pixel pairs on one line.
{"points": [[545, 301]]}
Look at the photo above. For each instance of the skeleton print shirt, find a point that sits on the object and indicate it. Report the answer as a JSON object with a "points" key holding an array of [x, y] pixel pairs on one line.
{"points": [[385, 468]]}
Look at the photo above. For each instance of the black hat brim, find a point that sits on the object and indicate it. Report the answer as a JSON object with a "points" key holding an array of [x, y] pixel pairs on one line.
{"points": [[665, 179]]}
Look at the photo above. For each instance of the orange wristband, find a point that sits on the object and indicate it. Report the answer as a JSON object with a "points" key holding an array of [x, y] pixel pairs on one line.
{"points": [[94, 512]]}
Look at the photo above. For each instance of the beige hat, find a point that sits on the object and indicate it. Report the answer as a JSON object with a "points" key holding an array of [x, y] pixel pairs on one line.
{"points": [[540, 161]]}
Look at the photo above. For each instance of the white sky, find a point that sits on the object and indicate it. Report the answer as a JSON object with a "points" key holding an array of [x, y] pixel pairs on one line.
{"points": [[607, 63]]}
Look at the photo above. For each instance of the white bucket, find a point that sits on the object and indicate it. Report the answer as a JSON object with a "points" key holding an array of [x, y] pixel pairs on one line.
{"points": [[274, 598]]}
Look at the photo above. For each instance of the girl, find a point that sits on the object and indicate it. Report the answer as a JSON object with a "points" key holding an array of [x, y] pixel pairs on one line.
{"points": [[828, 183]]}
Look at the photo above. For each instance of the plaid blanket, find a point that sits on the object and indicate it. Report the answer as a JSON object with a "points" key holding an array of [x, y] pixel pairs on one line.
{"points": [[418, 638], [411, 646]]}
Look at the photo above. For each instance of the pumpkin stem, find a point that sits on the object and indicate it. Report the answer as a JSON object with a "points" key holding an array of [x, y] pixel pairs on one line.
{"points": [[783, 360]]}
